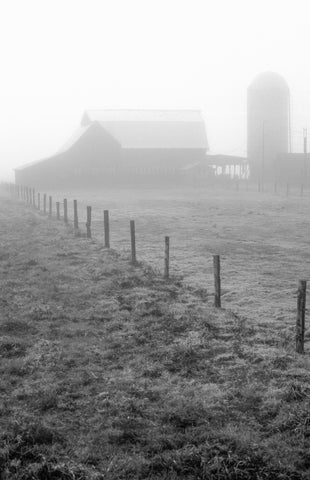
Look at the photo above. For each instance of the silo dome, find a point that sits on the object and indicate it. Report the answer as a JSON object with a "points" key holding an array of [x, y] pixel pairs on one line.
{"points": [[268, 123], [270, 81]]}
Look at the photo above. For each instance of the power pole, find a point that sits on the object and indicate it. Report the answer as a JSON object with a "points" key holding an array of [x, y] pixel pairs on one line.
{"points": [[305, 151]]}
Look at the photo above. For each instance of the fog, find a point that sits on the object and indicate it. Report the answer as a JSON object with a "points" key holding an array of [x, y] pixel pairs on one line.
{"points": [[59, 58]]}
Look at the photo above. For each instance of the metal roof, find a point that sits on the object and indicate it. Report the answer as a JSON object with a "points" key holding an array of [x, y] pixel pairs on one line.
{"points": [[151, 128]]}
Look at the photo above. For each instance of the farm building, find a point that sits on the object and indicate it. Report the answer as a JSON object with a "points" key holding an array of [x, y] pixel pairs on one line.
{"points": [[123, 145]]}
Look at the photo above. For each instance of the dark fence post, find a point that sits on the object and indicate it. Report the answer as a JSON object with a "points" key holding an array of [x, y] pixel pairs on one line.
{"points": [[65, 210], [34, 197], [44, 203], [75, 215], [133, 242], [106, 229], [39, 201], [300, 320], [88, 222], [58, 210], [50, 207], [217, 281], [166, 271]]}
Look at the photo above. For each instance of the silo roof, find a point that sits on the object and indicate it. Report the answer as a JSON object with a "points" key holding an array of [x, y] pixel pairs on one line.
{"points": [[269, 81]]}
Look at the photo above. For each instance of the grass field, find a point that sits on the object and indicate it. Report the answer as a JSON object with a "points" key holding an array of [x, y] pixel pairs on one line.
{"points": [[263, 240], [108, 371]]}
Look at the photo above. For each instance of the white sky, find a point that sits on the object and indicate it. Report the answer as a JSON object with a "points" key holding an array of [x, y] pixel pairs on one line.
{"points": [[59, 57]]}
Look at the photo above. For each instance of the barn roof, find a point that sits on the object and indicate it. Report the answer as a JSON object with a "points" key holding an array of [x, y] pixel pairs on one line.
{"points": [[151, 128]]}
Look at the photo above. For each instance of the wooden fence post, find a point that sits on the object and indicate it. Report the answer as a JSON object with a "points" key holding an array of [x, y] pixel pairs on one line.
{"points": [[50, 207], [88, 222], [44, 203], [33, 197], [217, 281], [39, 201], [133, 242], [106, 229], [58, 210], [167, 244], [75, 215], [300, 320], [65, 210]]}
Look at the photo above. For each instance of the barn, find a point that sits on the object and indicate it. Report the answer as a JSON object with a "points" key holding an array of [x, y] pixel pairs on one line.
{"points": [[123, 146]]}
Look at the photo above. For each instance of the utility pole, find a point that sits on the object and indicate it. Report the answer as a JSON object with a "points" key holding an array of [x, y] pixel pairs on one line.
{"points": [[305, 152]]}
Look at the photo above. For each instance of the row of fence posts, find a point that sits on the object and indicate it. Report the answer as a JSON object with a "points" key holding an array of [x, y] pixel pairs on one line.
{"points": [[28, 194]]}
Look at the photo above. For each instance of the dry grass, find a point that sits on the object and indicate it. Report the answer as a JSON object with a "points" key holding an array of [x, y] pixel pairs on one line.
{"points": [[108, 371]]}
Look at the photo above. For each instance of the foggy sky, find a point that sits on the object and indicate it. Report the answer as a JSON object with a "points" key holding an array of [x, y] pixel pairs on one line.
{"points": [[60, 57]]}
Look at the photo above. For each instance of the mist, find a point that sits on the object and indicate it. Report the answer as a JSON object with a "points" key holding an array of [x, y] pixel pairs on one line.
{"points": [[60, 58]]}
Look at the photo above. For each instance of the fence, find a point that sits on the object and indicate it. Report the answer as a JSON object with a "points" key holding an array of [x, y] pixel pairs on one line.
{"points": [[28, 195]]}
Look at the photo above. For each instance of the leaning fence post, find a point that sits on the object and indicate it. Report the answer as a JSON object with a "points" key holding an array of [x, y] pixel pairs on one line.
{"points": [[300, 320], [88, 222], [106, 229], [133, 242], [50, 208], [166, 271], [58, 210], [75, 215], [217, 281]]}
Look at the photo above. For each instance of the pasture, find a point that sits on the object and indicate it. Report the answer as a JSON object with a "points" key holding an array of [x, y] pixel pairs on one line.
{"points": [[263, 240], [109, 371]]}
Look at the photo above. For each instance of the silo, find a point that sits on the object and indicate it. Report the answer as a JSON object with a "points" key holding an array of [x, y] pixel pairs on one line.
{"points": [[268, 112]]}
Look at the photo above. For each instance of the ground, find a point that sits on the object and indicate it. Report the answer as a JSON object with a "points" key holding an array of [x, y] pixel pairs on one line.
{"points": [[110, 371]]}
